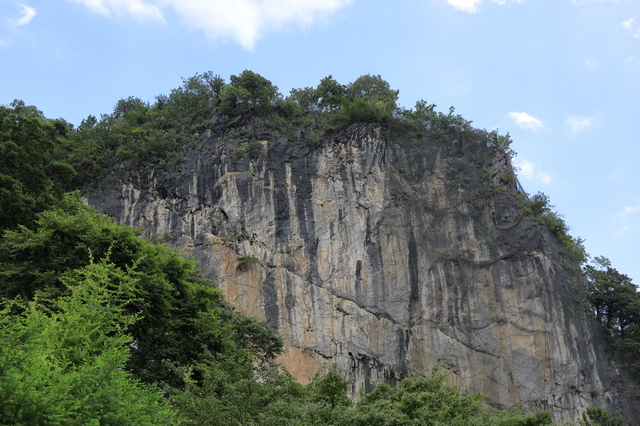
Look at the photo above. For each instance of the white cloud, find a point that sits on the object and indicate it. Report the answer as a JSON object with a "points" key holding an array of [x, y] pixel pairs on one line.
{"points": [[624, 231], [526, 121], [627, 211], [28, 13], [244, 21], [471, 6], [528, 170], [628, 23], [632, 27], [136, 8], [581, 2], [577, 123], [590, 64]]}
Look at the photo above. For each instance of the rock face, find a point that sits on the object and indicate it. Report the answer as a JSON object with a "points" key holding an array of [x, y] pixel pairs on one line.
{"points": [[385, 254]]}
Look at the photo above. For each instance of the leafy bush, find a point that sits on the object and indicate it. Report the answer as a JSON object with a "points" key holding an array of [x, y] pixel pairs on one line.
{"points": [[62, 360], [596, 416], [171, 298], [539, 206], [248, 92]]}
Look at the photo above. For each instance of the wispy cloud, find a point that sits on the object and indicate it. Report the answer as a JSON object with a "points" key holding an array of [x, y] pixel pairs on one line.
{"points": [[136, 8], [590, 64], [581, 2], [577, 124], [622, 218], [623, 231], [471, 6], [526, 121], [244, 21], [632, 27], [28, 13], [529, 171], [627, 211]]}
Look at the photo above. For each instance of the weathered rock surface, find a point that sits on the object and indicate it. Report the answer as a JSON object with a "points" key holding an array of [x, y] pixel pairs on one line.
{"points": [[385, 254]]}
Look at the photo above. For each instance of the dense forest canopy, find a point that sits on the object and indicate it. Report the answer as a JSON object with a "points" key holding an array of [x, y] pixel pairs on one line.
{"points": [[98, 326]]}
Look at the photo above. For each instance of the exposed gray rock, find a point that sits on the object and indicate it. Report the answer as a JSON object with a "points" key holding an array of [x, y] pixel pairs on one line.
{"points": [[385, 255]]}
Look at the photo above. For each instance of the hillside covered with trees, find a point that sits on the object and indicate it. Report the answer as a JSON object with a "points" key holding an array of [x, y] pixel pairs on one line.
{"points": [[98, 326]]}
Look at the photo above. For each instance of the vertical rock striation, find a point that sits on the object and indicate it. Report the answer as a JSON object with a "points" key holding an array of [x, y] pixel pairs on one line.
{"points": [[385, 254]]}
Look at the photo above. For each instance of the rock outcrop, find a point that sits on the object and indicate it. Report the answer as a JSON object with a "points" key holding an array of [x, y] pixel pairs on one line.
{"points": [[385, 254]]}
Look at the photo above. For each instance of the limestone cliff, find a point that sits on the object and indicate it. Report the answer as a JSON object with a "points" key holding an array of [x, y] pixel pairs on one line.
{"points": [[385, 254]]}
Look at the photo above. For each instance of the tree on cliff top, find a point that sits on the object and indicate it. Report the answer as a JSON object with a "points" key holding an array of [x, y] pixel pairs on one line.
{"points": [[248, 92]]}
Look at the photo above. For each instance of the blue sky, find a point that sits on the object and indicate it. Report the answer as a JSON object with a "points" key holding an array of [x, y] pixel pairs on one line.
{"points": [[561, 76]]}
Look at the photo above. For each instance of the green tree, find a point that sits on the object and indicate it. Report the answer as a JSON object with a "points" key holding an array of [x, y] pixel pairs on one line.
{"points": [[191, 103], [230, 393], [369, 99], [427, 401], [616, 305], [328, 387], [182, 316], [248, 92], [596, 416], [615, 299], [62, 361], [306, 99], [376, 90], [330, 94], [31, 178], [541, 208]]}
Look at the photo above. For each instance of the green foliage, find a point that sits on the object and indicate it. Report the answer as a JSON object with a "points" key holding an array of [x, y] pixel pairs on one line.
{"points": [[336, 106], [248, 93], [360, 110], [172, 299], [330, 94], [229, 393], [137, 134], [428, 401], [368, 99], [191, 103], [614, 297], [423, 120], [330, 388], [252, 148], [616, 305], [374, 88], [419, 118], [62, 361], [502, 141], [415, 401], [244, 261], [596, 416], [31, 177], [539, 206], [134, 135], [306, 99]]}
